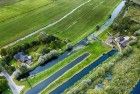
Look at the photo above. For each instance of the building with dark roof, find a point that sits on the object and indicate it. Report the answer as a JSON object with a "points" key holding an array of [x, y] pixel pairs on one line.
{"points": [[23, 58]]}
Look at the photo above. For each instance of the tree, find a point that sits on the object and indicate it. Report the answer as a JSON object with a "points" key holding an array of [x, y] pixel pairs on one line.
{"points": [[3, 84], [49, 56], [69, 46], [23, 68], [3, 52], [97, 27], [43, 37]]}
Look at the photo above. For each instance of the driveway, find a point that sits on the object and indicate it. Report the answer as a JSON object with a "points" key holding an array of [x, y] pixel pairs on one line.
{"points": [[15, 89]]}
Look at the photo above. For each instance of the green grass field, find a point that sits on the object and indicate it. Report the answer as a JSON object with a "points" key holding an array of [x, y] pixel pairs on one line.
{"points": [[31, 20], [124, 69], [82, 21], [7, 2], [18, 20]]}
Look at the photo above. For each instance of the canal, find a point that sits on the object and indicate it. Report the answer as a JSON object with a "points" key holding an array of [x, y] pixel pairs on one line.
{"points": [[82, 73], [136, 89], [83, 42], [45, 83]]}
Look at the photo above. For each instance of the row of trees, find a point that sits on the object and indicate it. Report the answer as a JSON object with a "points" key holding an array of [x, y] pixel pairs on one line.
{"points": [[50, 41], [52, 54], [3, 81], [122, 25], [42, 39], [96, 76]]}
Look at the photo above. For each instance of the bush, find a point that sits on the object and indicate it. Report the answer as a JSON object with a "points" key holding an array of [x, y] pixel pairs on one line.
{"points": [[3, 84], [74, 91], [137, 33], [97, 27], [16, 74], [3, 52], [133, 42], [138, 45], [127, 51], [49, 56], [69, 47]]}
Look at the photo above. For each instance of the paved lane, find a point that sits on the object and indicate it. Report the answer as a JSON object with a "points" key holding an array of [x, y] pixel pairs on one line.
{"points": [[15, 89]]}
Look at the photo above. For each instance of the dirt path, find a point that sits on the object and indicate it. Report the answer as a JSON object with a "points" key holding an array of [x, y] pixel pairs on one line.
{"points": [[52, 24]]}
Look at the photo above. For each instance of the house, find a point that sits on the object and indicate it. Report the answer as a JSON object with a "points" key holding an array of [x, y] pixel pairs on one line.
{"points": [[23, 58], [123, 41]]}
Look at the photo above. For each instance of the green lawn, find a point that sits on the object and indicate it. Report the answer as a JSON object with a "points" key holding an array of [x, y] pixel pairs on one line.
{"points": [[74, 27]]}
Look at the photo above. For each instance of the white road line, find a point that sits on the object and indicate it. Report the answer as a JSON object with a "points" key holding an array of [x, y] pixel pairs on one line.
{"points": [[52, 24]]}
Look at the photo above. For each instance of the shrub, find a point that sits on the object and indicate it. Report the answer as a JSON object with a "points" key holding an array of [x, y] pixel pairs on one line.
{"points": [[97, 27], [137, 33], [3, 84], [69, 47], [127, 51], [49, 56], [133, 42], [74, 91], [3, 52]]}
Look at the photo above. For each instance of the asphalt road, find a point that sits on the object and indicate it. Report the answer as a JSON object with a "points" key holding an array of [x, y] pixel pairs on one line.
{"points": [[15, 89]]}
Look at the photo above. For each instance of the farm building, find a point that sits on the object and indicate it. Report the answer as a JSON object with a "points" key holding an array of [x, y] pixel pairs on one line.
{"points": [[122, 41], [23, 58]]}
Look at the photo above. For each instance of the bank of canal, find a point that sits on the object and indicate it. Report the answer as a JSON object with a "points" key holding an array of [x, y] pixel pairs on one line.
{"points": [[83, 42], [38, 88], [84, 72], [136, 89]]}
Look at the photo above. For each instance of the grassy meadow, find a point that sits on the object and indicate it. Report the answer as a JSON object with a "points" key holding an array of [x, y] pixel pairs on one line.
{"points": [[119, 74], [24, 17], [30, 21], [82, 21]]}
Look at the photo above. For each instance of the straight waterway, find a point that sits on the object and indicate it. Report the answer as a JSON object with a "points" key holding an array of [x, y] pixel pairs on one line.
{"points": [[45, 83]]}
